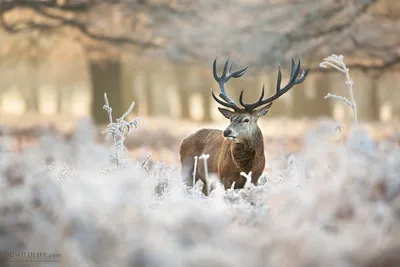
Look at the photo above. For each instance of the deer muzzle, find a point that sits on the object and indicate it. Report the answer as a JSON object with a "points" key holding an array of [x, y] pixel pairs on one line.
{"points": [[228, 134]]}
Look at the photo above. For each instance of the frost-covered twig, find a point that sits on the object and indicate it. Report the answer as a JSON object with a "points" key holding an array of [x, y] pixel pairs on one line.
{"points": [[63, 172], [145, 164], [339, 128], [205, 157], [194, 170], [337, 62], [118, 131], [107, 107], [232, 187], [121, 127], [248, 178]]}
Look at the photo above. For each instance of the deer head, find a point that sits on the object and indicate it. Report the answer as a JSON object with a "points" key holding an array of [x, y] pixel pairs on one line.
{"points": [[243, 121]]}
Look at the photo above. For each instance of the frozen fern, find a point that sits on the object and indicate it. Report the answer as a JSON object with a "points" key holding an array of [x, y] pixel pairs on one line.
{"points": [[118, 131]]}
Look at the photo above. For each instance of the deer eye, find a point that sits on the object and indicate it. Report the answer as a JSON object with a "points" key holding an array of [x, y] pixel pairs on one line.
{"points": [[246, 120]]}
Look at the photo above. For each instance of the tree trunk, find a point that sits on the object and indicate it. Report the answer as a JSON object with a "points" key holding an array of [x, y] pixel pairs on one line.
{"points": [[280, 107], [322, 107], [184, 102], [105, 77], [207, 104], [204, 85], [181, 74], [128, 92], [32, 98], [299, 101], [374, 99], [148, 90], [368, 104], [59, 95]]}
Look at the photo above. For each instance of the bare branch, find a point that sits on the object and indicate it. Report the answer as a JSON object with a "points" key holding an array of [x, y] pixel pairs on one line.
{"points": [[338, 63]]}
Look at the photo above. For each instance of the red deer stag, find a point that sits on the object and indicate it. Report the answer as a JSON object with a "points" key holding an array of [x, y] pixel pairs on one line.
{"points": [[240, 147]]}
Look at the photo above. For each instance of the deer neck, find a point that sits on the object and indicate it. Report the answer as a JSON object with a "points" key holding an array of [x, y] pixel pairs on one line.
{"points": [[245, 152]]}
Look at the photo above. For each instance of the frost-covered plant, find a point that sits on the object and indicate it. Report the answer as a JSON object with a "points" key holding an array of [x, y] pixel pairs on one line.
{"points": [[5, 139], [5, 145], [337, 62], [119, 130], [359, 139], [61, 172], [248, 178], [212, 181], [195, 169], [328, 220]]}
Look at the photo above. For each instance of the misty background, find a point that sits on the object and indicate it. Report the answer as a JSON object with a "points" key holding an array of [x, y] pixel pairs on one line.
{"points": [[59, 57]]}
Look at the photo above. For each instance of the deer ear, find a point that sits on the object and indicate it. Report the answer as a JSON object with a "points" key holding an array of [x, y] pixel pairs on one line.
{"points": [[263, 111], [226, 112]]}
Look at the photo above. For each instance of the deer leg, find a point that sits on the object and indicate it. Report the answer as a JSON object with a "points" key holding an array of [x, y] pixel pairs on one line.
{"points": [[200, 175], [205, 183], [204, 190], [187, 171], [255, 177]]}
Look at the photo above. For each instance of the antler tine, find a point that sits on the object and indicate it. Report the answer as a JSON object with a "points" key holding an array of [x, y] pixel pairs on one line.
{"points": [[228, 105], [302, 77], [250, 106], [293, 80], [292, 68], [225, 77], [293, 76]]}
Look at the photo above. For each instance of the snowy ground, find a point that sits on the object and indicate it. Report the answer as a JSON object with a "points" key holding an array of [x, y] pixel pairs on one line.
{"points": [[323, 200]]}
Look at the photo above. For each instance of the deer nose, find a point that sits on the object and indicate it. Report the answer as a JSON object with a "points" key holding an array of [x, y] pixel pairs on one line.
{"points": [[227, 132]]}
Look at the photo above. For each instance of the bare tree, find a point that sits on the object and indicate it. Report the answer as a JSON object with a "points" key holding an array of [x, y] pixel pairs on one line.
{"points": [[185, 89], [267, 33], [104, 28], [260, 33], [27, 54]]}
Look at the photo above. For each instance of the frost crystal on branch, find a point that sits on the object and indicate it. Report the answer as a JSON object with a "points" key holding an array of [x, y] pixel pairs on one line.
{"points": [[337, 62], [194, 170], [248, 178], [119, 130]]}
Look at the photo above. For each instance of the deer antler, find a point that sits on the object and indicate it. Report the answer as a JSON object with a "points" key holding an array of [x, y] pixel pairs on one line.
{"points": [[222, 80], [295, 70]]}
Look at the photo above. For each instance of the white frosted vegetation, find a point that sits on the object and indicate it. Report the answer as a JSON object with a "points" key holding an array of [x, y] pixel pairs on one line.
{"points": [[337, 62], [332, 204]]}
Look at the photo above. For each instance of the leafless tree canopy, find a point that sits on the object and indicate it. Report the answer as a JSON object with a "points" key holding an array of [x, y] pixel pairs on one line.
{"points": [[262, 33]]}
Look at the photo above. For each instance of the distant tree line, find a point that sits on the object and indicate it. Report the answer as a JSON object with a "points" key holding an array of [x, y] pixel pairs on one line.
{"points": [[194, 32]]}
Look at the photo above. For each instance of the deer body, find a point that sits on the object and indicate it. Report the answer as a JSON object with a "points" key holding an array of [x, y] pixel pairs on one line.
{"points": [[240, 147], [227, 157]]}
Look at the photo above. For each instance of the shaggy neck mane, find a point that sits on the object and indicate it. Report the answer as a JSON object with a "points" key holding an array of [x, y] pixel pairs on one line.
{"points": [[246, 151]]}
